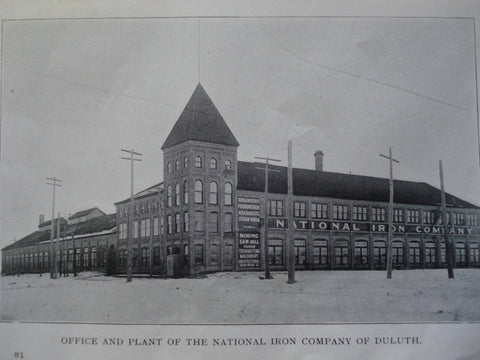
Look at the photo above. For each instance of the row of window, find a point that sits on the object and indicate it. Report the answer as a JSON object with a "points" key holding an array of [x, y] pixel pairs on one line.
{"points": [[177, 223], [361, 213], [198, 193], [142, 208], [198, 163], [360, 253]]}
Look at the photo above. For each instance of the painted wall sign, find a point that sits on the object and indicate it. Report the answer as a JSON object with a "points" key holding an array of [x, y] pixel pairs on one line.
{"points": [[249, 250], [248, 209]]}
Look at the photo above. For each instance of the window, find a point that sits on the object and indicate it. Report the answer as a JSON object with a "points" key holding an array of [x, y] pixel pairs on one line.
{"points": [[340, 212], [145, 256], [199, 221], [213, 193], [460, 257], [156, 256], [169, 167], [185, 221], [300, 252], [472, 219], [474, 254], [414, 253], [228, 194], [443, 253], [275, 207], [428, 217], [319, 211], [360, 213], [299, 209], [228, 255], [341, 252], [145, 228], [185, 254], [361, 252], [177, 194], [185, 192], [397, 253], [320, 252], [214, 254], [123, 231], [430, 257], [228, 222], [379, 253], [135, 229], [458, 219], [169, 196], [198, 192], [198, 162], [177, 223], [169, 224], [228, 165], [213, 163], [398, 215], [177, 165], [85, 257], [155, 226], [213, 222], [134, 257], [378, 214], [162, 223], [199, 257], [413, 216], [185, 162], [122, 258], [275, 252]]}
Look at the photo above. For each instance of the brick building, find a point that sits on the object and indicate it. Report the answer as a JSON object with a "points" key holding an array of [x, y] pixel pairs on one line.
{"points": [[205, 215]]}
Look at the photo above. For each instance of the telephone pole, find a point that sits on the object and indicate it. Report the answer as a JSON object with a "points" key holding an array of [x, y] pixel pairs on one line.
{"points": [[130, 219], [448, 245], [390, 214], [290, 237], [265, 223], [52, 253]]}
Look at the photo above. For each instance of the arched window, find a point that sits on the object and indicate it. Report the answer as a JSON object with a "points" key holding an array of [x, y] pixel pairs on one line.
{"points": [[228, 165], [185, 192], [169, 195], [213, 163], [177, 165], [198, 192], [198, 162], [213, 193], [169, 167], [177, 223], [213, 222], [177, 194], [228, 194], [185, 162]]}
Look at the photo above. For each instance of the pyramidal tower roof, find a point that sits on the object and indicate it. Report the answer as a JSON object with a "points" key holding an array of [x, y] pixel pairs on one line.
{"points": [[200, 121]]}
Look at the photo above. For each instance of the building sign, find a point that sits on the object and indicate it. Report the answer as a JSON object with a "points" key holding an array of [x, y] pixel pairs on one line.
{"points": [[368, 227], [248, 213], [249, 250]]}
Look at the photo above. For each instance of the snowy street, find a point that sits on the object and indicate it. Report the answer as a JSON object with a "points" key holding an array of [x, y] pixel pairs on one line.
{"points": [[317, 296]]}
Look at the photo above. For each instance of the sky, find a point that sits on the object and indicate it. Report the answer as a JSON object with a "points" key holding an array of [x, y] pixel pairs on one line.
{"points": [[75, 92]]}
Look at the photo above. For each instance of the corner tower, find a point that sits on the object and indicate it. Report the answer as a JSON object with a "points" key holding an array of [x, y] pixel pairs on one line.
{"points": [[200, 177]]}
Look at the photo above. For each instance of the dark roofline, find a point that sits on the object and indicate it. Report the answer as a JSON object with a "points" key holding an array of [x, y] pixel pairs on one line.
{"points": [[48, 222], [139, 195], [84, 212]]}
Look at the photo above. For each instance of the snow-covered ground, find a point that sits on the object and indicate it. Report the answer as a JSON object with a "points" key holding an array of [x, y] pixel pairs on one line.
{"points": [[317, 296]]}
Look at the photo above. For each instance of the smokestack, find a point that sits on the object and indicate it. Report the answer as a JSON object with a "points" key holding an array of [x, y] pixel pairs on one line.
{"points": [[318, 160], [41, 219]]}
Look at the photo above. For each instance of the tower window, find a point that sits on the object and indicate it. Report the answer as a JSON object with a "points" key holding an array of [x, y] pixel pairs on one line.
{"points": [[169, 167], [185, 162], [213, 163], [177, 165], [198, 162], [228, 165], [228, 194], [198, 192], [213, 193]]}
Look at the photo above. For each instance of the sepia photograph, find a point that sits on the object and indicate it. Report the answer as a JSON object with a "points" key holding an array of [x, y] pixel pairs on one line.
{"points": [[240, 170]]}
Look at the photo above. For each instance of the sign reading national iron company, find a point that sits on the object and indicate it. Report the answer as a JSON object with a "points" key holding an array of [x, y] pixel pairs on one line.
{"points": [[328, 225]]}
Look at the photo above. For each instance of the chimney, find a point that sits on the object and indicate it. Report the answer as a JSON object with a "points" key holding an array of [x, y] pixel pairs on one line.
{"points": [[318, 160], [41, 219]]}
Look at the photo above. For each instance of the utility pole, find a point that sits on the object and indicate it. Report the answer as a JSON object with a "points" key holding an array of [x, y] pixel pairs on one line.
{"points": [[57, 245], [390, 214], [52, 254], [290, 238], [448, 245], [265, 231], [130, 220]]}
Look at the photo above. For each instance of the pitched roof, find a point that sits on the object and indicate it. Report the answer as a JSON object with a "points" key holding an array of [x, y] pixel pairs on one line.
{"points": [[342, 186], [49, 222], [84, 213], [95, 225], [200, 121], [150, 191]]}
